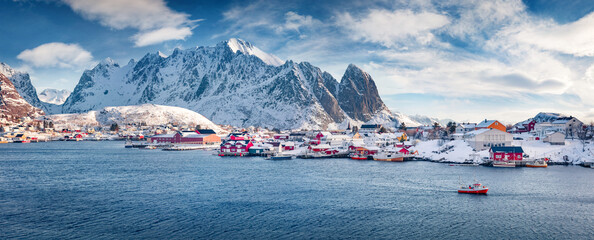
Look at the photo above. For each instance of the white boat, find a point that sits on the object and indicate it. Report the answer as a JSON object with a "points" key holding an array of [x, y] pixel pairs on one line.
{"points": [[503, 164], [539, 163], [389, 156]]}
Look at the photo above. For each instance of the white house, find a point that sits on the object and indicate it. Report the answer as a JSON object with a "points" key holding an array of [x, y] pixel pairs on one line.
{"points": [[568, 125], [556, 138], [465, 127], [485, 138]]}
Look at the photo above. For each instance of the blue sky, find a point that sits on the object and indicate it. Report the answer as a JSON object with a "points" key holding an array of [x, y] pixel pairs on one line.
{"points": [[464, 60]]}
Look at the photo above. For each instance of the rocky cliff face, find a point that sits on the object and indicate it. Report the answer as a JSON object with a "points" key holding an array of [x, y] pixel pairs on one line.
{"points": [[12, 104], [358, 96], [22, 83], [232, 83]]}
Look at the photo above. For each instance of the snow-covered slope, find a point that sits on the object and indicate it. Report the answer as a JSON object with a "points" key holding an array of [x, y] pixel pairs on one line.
{"points": [[231, 83], [149, 114], [54, 96], [12, 105]]}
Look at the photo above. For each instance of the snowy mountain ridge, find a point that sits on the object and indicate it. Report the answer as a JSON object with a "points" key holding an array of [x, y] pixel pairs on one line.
{"points": [[54, 96], [234, 83]]}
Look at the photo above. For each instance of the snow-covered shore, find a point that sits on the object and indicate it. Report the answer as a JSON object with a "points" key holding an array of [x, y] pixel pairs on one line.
{"points": [[459, 151]]}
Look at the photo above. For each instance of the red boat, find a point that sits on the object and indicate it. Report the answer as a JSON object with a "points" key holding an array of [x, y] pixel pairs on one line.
{"points": [[475, 188], [358, 156]]}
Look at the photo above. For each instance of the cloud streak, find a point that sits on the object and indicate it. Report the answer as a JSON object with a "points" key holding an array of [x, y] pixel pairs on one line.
{"points": [[154, 21]]}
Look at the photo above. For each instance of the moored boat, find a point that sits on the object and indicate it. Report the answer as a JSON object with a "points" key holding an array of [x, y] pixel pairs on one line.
{"points": [[475, 188], [357, 156], [540, 163], [389, 156], [503, 164]]}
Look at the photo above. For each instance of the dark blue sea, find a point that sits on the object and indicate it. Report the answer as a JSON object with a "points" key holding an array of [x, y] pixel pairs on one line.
{"points": [[100, 190]]}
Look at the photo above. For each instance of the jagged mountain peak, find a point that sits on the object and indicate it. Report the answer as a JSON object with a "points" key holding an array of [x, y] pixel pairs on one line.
{"points": [[108, 62], [358, 95], [6, 70], [238, 45]]}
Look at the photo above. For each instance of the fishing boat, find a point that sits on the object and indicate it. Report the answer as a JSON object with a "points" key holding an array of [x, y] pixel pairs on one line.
{"points": [[389, 156], [503, 164], [539, 163], [128, 144], [279, 155], [357, 156], [475, 188]]}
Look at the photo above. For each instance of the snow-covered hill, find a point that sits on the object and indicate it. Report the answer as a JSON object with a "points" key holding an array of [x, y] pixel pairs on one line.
{"points": [[54, 96], [149, 114], [233, 83]]}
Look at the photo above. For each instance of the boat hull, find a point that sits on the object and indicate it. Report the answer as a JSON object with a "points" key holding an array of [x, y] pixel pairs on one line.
{"points": [[473, 191], [398, 159], [281, 158], [536, 166], [506, 165]]}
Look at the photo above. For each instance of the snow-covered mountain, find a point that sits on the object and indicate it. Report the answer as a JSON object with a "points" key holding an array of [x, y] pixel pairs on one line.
{"points": [[428, 121], [542, 117], [234, 83], [12, 104], [22, 83], [149, 114], [54, 96]]}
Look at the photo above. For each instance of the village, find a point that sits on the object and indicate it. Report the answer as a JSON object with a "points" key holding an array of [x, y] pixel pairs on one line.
{"points": [[564, 140]]}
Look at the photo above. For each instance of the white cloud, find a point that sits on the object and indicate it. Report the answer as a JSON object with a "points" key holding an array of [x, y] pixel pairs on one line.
{"points": [[294, 22], [575, 38], [152, 18], [57, 54], [391, 27], [161, 35]]}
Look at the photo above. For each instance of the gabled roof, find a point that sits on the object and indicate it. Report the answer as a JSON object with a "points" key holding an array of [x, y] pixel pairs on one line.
{"points": [[206, 131], [563, 120], [477, 132], [507, 149], [485, 124], [372, 126]]}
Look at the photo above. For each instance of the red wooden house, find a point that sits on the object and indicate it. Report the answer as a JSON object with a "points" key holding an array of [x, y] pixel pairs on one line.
{"points": [[235, 148], [506, 153]]}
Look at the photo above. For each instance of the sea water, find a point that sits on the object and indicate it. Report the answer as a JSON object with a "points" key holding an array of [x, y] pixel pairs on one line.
{"points": [[68, 190]]}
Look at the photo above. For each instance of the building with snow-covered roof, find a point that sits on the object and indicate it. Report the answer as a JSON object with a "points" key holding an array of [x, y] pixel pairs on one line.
{"points": [[370, 128], [488, 124], [568, 125], [482, 139], [465, 127]]}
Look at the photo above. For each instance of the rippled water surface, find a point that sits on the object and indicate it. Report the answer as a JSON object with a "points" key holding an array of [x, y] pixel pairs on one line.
{"points": [[101, 190]]}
